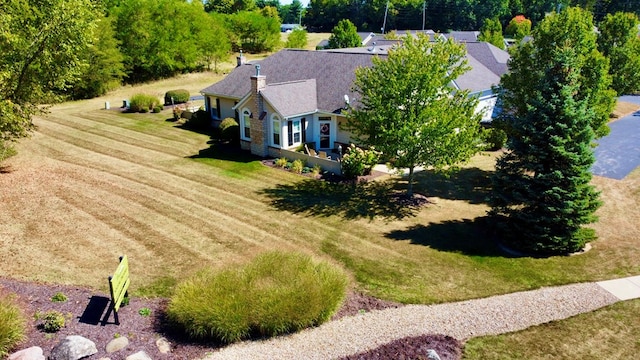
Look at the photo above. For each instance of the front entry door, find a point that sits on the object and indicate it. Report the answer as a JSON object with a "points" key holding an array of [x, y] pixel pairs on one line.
{"points": [[325, 135]]}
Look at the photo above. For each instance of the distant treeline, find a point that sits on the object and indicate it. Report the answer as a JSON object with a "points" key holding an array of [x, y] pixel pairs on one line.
{"points": [[444, 15], [131, 41]]}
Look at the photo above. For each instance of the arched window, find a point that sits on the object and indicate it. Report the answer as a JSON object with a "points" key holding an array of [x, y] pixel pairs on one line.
{"points": [[245, 124], [276, 130]]}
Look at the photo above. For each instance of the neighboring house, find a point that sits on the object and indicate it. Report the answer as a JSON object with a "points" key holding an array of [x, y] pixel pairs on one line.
{"points": [[289, 27], [297, 97]]}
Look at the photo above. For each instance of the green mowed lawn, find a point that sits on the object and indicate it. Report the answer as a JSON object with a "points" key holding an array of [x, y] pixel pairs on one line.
{"points": [[608, 333], [93, 184]]}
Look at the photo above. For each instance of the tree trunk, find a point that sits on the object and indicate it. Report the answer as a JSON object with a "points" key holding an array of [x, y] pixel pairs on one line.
{"points": [[410, 185]]}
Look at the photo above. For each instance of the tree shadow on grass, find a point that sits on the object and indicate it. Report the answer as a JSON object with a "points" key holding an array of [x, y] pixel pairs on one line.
{"points": [[349, 200], [225, 151], [468, 237], [468, 184]]}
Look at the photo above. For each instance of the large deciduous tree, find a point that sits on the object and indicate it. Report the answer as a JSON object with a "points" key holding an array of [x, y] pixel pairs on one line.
{"points": [[42, 45], [253, 31], [518, 27], [555, 99], [344, 35], [619, 41], [106, 69], [408, 109]]}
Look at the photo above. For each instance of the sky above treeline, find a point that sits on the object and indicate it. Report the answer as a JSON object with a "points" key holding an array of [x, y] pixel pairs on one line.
{"points": [[287, 2]]}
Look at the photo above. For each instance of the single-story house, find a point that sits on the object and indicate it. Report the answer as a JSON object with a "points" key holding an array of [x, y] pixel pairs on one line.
{"points": [[297, 97]]}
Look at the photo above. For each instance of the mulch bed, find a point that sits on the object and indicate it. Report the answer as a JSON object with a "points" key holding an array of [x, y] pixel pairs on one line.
{"points": [[85, 312]]}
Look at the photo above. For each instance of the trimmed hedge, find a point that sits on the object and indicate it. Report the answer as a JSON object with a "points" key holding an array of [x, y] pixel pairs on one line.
{"points": [[13, 324], [143, 102], [277, 293], [180, 96]]}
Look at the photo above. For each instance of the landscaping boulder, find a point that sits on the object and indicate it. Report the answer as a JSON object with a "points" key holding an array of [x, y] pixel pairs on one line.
{"points": [[140, 355], [73, 347], [117, 344], [32, 353], [164, 346]]}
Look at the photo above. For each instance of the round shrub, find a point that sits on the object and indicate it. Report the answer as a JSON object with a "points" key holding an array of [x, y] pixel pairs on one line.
{"points": [[276, 293], [199, 120], [179, 96], [357, 162], [281, 162], [229, 129], [157, 109], [493, 138], [52, 321], [139, 102], [13, 324]]}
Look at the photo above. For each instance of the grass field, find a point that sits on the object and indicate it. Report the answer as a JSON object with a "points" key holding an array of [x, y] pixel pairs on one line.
{"points": [[92, 184], [608, 333]]}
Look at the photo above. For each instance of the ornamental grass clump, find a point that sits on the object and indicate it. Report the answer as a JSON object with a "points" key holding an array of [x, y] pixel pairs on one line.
{"points": [[276, 293], [13, 324], [143, 103]]}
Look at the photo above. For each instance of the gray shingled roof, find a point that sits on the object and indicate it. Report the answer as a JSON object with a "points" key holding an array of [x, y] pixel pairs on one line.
{"points": [[488, 63], [334, 74], [463, 36], [292, 98]]}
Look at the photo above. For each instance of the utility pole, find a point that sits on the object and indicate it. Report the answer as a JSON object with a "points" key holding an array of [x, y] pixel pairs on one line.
{"points": [[384, 23], [424, 14]]}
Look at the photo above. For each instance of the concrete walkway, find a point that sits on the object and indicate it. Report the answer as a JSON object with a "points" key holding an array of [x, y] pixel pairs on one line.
{"points": [[461, 320]]}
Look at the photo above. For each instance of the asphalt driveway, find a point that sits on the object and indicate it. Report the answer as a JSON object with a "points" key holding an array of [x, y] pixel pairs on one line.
{"points": [[618, 153]]}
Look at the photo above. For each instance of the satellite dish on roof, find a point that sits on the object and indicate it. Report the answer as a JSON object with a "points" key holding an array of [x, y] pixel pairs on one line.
{"points": [[346, 99]]}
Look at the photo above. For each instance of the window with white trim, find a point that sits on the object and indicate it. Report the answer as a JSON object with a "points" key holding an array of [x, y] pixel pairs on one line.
{"points": [[294, 132], [245, 125], [275, 130]]}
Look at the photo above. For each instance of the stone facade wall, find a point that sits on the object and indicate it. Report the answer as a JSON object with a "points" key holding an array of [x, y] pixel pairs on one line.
{"points": [[259, 123]]}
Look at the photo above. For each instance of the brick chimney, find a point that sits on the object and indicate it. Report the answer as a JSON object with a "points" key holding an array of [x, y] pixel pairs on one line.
{"points": [[259, 125]]}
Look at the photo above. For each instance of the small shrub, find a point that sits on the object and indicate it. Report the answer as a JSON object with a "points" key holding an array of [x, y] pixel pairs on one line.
{"points": [[281, 162], [493, 138], [275, 294], [230, 130], [59, 297], [141, 101], [179, 96], [177, 112], [297, 166], [13, 324], [52, 321], [316, 170], [144, 109], [6, 150], [357, 162], [199, 120], [157, 109], [144, 312]]}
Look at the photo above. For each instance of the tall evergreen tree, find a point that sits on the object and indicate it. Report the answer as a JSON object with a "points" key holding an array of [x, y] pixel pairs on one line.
{"points": [[491, 32], [554, 100]]}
